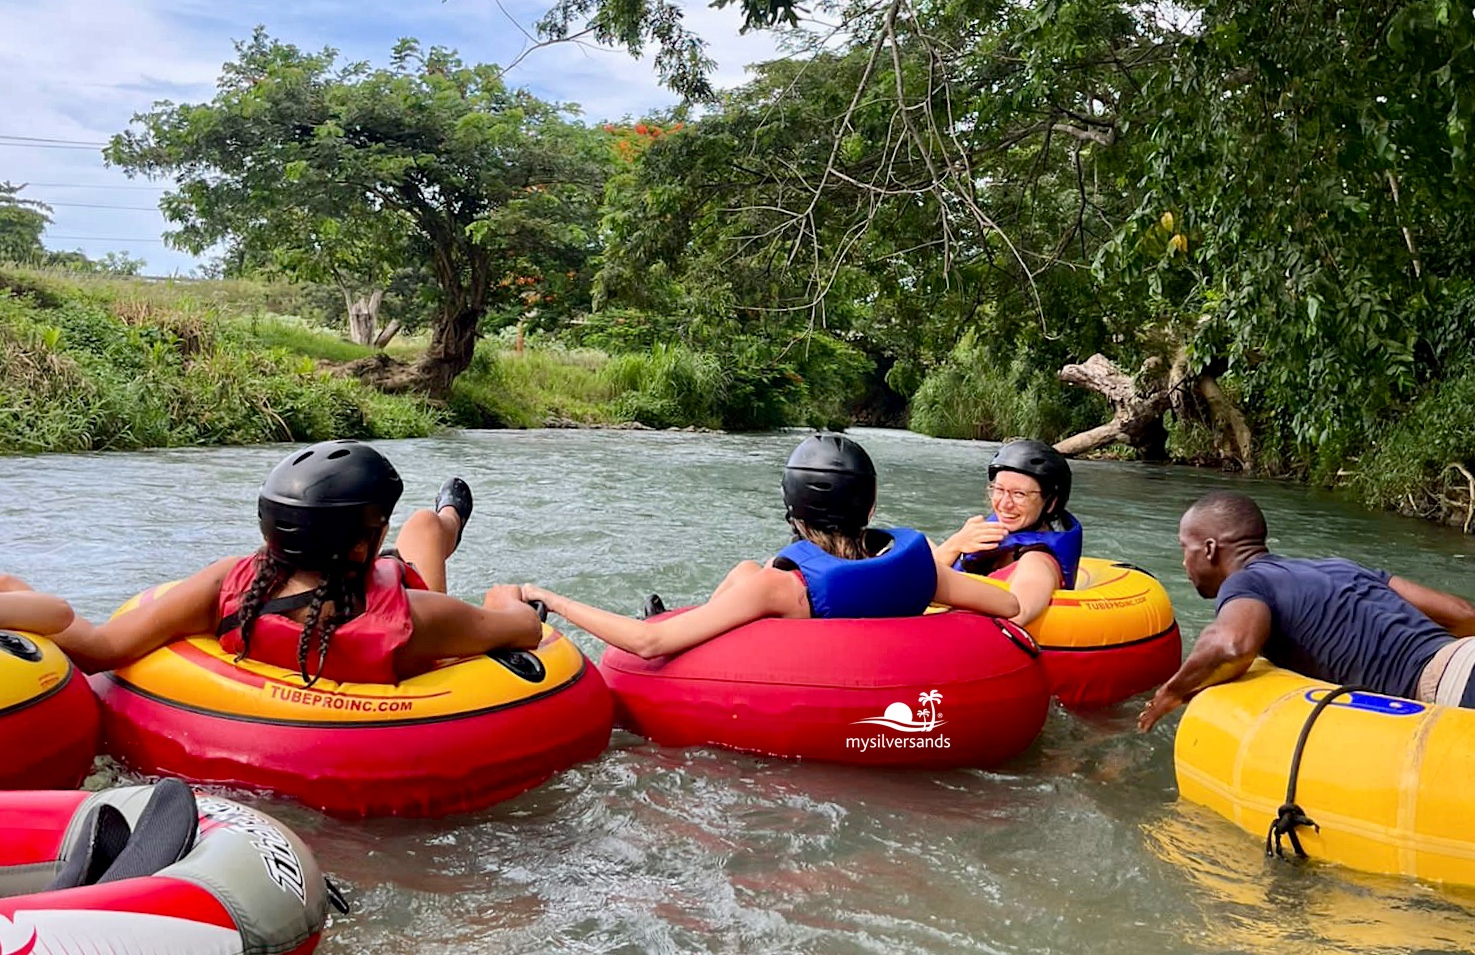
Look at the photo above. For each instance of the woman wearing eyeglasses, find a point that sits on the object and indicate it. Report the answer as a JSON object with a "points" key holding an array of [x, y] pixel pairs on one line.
{"points": [[1029, 540]]}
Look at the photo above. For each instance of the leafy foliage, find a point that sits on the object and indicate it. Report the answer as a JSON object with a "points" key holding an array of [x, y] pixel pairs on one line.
{"points": [[320, 169], [21, 223]]}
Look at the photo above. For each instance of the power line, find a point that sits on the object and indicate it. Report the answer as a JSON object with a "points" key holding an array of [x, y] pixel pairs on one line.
{"points": [[98, 238], [95, 205], [42, 139], [51, 146], [89, 185]]}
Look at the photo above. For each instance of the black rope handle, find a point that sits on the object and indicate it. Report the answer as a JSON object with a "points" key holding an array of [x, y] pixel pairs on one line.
{"points": [[1289, 817], [541, 608]]}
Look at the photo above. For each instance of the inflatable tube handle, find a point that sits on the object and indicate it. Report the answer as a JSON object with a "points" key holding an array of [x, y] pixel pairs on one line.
{"points": [[541, 608], [335, 896], [20, 646], [1021, 638], [1125, 565]]}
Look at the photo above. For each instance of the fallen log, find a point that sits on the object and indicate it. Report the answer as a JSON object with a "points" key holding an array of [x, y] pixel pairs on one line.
{"points": [[1137, 414]]}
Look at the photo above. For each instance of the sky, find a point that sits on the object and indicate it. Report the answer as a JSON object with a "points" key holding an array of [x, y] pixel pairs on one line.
{"points": [[78, 70]]}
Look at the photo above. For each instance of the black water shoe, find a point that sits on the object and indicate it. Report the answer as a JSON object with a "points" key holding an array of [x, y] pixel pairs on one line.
{"points": [[653, 605], [455, 493]]}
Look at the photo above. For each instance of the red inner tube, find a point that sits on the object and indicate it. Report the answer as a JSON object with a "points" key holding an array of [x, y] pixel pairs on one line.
{"points": [[834, 690]]}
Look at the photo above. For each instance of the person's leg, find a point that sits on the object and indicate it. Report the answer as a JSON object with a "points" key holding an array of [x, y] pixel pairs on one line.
{"points": [[432, 535]]}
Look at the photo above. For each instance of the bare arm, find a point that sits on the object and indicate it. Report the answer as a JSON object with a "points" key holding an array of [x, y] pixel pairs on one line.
{"points": [[762, 593], [977, 534], [1224, 650], [962, 591], [446, 626], [1454, 614], [45, 614], [187, 609], [1033, 583]]}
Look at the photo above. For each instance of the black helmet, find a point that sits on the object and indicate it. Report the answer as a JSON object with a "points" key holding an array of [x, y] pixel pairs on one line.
{"points": [[321, 502], [830, 484], [1041, 462]]}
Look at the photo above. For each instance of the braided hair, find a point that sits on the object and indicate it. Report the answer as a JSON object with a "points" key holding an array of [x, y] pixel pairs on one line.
{"points": [[343, 586], [272, 573]]}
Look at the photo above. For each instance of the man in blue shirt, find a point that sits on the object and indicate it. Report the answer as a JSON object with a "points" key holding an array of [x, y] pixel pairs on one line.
{"points": [[1329, 619]]}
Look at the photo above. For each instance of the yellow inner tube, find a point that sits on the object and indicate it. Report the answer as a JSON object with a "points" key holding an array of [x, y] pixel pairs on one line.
{"points": [[22, 680], [1113, 603], [1387, 780], [196, 673]]}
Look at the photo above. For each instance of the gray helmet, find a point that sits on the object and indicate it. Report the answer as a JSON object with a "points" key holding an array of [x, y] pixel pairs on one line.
{"points": [[1041, 462], [321, 502], [830, 484]]}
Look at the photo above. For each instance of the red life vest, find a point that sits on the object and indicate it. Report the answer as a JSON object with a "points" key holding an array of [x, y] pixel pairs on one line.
{"points": [[361, 649]]}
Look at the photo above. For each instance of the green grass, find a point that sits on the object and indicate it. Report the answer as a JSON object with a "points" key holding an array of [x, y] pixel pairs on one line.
{"points": [[507, 389], [88, 363]]}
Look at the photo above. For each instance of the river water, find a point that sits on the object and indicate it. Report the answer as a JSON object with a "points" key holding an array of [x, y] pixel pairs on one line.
{"points": [[1077, 846]]}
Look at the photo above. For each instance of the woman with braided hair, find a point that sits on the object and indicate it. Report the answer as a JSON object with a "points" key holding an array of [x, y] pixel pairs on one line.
{"points": [[319, 597]]}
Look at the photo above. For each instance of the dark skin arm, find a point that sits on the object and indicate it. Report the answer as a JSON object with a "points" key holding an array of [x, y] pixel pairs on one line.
{"points": [[446, 627], [1454, 614], [1225, 649]]}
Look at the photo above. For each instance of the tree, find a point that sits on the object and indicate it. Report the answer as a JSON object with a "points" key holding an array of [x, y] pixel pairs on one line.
{"points": [[21, 223], [681, 58], [345, 168]]}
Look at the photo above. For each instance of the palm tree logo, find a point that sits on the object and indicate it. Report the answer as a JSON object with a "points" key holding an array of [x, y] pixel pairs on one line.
{"points": [[929, 711]]}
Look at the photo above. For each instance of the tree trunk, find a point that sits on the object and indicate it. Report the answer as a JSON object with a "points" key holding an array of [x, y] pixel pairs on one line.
{"points": [[363, 311], [1231, 431], [451, 346], [387, 335], [1137, 417]]}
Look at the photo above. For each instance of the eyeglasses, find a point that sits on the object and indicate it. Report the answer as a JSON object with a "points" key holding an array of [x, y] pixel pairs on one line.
{"points": [[1016, 496]]}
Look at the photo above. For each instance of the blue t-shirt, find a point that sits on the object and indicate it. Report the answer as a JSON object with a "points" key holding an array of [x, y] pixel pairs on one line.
{"points": [[1337, 621]]}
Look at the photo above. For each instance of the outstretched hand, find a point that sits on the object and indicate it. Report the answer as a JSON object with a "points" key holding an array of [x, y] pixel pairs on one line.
{"points": [[1161, 704]]}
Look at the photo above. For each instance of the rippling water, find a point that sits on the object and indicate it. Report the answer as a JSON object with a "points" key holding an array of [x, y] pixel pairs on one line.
{"points": [[1077, 846]]}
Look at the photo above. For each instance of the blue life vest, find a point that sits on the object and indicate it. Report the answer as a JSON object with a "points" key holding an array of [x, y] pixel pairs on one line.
{"points": [[1064, 546], [899, 583]]}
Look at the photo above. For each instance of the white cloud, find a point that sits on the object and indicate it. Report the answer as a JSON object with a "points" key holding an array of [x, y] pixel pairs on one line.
{"points": [[79, 70]]}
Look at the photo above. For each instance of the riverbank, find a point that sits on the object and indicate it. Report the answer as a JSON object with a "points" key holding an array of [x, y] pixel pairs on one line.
{"points": [[90, 363], [100, 364]]}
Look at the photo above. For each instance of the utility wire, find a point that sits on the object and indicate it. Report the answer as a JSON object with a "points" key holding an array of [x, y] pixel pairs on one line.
{"points": [[49, 145], [95, 205], [61, 142], [98, 238], [88, 185]]}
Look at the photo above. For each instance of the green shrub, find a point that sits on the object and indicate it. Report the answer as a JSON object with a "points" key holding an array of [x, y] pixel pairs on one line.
{"points": [[503, 388], [671, 385], [1406, 467], [972, 396], [104, 366]]}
